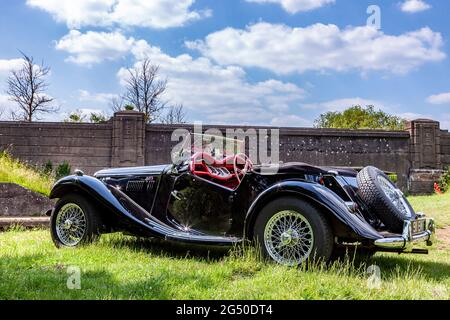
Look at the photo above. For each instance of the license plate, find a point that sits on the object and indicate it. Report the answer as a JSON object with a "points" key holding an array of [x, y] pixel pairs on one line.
{"points": [[418, 226]]}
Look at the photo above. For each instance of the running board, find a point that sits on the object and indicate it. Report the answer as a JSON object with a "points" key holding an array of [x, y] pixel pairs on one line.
{"points": [[172, 234]]}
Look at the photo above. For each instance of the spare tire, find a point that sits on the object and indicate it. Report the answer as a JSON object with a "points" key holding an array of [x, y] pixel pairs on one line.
{"points": [[384, 198]]}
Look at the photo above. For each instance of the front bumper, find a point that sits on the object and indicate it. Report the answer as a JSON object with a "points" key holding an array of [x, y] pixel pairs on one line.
{"points": [[408, 239]]}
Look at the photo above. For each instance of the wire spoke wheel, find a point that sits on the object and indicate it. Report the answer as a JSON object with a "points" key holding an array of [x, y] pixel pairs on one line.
{"points": [[289, 238], [71, 225], [395, 195]]}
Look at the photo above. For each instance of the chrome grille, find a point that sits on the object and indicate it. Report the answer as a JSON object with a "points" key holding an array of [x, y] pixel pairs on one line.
{"points": [[135, 185]]}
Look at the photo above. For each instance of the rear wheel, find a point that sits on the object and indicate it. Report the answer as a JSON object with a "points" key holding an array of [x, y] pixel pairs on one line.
{"points": [[290, 232], [74, 222]]}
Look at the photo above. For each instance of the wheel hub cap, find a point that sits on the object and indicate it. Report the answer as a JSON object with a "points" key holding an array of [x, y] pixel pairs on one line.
{"points": [[68, 224], [289, 238]]}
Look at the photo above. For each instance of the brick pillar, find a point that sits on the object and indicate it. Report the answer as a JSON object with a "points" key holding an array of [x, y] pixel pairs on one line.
{"points": [[425, 144], [128, 143], [425, 148]]}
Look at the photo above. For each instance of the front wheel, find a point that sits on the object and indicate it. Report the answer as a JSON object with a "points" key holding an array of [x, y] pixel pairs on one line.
{"points": [[74, 222], [290, 231]]}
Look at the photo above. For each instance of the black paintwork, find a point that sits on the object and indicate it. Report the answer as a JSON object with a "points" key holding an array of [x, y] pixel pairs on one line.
{"points": [[170, 202]]}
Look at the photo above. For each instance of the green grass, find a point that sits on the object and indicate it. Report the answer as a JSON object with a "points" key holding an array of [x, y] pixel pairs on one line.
{"points": [[14, 171], [121, 267], [436, 206]]}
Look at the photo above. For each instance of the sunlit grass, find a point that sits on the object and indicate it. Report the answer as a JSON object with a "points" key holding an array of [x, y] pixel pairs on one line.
{"points": [[121, 267], [14, 171], [436, 206]]}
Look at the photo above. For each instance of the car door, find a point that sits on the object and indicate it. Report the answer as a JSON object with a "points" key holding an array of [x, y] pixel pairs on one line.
{"points": [[200, 205]]}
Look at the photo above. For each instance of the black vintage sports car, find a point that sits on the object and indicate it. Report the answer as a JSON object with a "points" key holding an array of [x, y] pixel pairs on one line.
{"points": [[301, 212]]}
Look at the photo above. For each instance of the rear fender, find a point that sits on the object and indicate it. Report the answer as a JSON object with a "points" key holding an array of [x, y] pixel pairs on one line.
{"points": [[320, 196]]}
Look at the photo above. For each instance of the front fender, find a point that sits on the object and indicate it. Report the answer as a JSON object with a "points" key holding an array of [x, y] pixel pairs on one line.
{"points": [[101, 193], [319, 195]]}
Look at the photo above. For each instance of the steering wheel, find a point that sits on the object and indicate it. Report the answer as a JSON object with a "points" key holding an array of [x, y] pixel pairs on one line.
{"points": [[240, 173]]}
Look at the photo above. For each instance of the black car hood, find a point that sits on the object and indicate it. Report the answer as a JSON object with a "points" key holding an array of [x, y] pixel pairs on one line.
{"points": [[293, 168], [133, 171]]}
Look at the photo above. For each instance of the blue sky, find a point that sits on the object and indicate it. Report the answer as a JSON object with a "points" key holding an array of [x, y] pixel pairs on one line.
{"points": [[265, 62]]}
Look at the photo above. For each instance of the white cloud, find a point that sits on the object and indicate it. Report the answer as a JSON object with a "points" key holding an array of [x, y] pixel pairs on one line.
{"points": [[125, 13], [221, 94], [342, 104], [291, 121], [294, 6], [442, 98], [445, 121], [6, 106], [6, 66], [100, 98], [414, 116], [413, 6], [94, 47], [320, 47]]}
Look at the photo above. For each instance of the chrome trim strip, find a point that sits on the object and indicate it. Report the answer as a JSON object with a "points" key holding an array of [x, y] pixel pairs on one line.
{"points": [[126, 172]]}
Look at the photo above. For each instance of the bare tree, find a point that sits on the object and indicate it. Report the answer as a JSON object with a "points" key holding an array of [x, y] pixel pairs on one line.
{"points": [[144, 90], [27, 87], [117, 104], [174, 115]]}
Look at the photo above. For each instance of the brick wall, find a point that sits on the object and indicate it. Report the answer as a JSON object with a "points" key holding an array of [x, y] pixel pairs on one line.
{"points": [[126, 141], [445, 148], [86, 146]]}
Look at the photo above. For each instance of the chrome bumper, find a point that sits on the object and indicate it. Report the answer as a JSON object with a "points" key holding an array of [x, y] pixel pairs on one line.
{"points": [[407, 240]]}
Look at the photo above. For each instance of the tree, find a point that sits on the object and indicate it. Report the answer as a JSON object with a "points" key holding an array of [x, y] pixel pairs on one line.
{"points": [[97, 117], [27, 88], [174, 115], [76, 116], [144, 90], [358, 117], [117, 104]]}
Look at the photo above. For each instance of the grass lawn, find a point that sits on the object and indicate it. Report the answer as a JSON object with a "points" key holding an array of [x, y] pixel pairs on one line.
{"points": [[436, 206], [120, 267]]}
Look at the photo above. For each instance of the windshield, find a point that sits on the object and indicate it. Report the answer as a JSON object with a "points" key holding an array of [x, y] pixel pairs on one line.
{"points": [[217, 146]]}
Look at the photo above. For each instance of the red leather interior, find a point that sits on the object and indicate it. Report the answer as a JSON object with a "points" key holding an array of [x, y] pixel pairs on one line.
{"points": [[218, 171]]}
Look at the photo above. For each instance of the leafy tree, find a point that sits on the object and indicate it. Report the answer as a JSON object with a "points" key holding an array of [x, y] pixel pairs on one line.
{"points": [[77, 117], [97, 117], [358, 117]]}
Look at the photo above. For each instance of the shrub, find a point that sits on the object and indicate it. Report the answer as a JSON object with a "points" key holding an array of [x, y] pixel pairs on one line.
{"points": [[444, 181], [393, 177], [63, 170], [47, 168]]}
